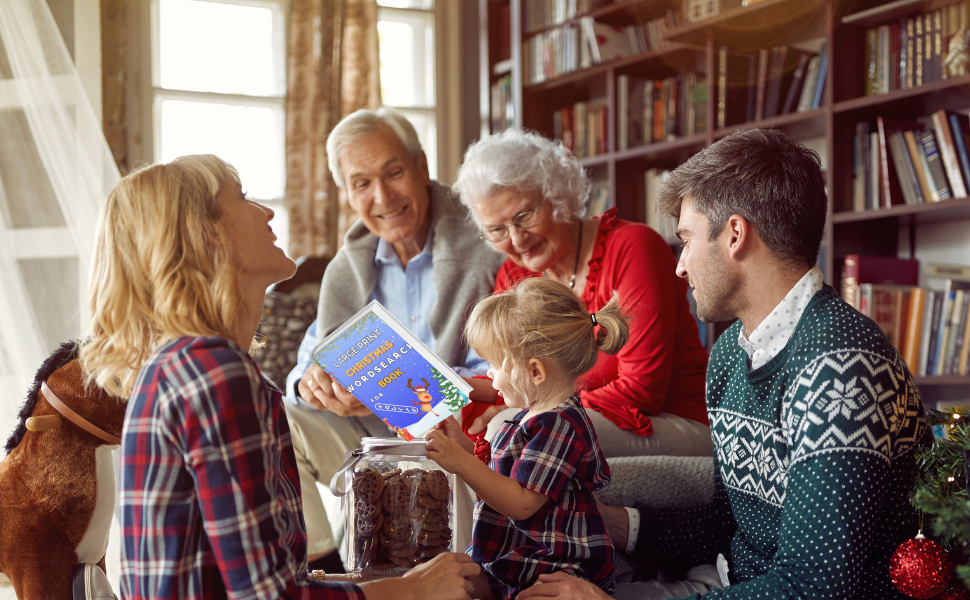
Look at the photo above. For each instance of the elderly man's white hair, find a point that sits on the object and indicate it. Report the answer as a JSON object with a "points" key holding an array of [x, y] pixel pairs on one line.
{"points": [[366, 122]]}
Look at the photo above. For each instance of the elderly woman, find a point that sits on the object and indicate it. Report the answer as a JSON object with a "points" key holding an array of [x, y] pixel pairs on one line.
{"points": [[210, 497], [528, 195]]}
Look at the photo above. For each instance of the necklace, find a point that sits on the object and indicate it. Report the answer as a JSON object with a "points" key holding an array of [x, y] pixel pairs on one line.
{"points": [[579, 249]]}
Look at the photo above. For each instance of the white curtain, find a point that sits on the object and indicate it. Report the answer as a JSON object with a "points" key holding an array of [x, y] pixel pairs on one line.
{"points": [[55, 169]]}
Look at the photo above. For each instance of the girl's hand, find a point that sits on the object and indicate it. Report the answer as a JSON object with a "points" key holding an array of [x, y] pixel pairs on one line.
{"points": [[445, 451], [452, 428]]}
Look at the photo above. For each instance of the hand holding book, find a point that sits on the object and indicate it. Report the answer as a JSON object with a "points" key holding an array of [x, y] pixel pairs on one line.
{"points": [[321, 391]]}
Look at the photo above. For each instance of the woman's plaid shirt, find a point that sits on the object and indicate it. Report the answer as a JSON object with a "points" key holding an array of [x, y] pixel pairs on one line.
{"points": [[210, 495]]}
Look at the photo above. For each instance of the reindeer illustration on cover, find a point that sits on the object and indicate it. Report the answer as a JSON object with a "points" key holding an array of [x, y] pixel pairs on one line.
{"points": [[424, 398]]}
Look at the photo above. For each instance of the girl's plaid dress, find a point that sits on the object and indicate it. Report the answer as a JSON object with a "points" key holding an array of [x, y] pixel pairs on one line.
{"points": [[553, 453]]}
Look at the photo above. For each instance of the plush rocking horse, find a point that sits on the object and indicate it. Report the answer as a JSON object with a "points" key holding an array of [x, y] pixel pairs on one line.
{"points": [[57, 485]]}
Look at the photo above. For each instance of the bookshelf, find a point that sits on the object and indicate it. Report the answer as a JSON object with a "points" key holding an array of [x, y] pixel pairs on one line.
{"points": [[837, 26]]}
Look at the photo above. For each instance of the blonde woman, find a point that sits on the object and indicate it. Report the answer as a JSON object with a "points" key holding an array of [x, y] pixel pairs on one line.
{"points": [[209, 485]]}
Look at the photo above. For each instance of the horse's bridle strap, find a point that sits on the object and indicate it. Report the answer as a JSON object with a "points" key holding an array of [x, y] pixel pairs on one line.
{"points": [[75, 418]]}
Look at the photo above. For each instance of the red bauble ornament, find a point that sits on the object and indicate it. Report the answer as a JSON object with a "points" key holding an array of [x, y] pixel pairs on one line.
{"points": [[955, 591], [920, 568]]}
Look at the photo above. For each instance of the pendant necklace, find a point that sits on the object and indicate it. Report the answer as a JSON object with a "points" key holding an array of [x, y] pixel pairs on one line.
{"points": [[579, 249]]}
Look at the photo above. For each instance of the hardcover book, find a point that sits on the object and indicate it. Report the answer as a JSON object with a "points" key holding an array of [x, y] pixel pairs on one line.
{"points": [[391, 372]]}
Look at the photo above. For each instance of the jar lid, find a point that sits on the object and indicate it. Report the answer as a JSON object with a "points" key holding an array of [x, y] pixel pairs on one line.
{"points": [[394, 446]]}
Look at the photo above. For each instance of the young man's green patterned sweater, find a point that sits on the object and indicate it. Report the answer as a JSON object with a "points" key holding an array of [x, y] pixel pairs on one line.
{"points": [[814, 462]]}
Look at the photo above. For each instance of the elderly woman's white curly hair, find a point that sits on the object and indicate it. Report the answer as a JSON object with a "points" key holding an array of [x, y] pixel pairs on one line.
{"points": [[523, 162]]}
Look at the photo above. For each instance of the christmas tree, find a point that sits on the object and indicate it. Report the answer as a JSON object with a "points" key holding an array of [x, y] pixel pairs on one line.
{"points": [[451, 396], [943, 485]]}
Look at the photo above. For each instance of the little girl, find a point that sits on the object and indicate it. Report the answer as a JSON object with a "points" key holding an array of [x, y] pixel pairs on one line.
{"points": [[536, 513]]}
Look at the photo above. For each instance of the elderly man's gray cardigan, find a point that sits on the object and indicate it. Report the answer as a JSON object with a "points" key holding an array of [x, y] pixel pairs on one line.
{"points": [[463, 270]]}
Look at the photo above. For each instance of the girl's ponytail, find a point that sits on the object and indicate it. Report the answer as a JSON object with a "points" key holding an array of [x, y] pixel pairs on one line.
{"points": [[614, 331]]}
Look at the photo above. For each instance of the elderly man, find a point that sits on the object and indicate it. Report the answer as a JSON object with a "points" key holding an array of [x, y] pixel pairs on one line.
{"points": [[814, 416], [415, 251]]}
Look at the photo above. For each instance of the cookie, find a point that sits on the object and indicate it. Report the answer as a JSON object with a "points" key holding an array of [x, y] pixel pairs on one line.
{"points": [[368, 486], [427, 502], [368, 528], [397, 527], [391, 474], [429, 553], [412, 477], [429, 538], [397, 498], [419, 514], [437, 484], [402, 562], [368, 512], [403, 552]]}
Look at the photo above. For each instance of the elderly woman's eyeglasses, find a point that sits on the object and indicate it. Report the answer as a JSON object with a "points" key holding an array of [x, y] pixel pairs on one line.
{"points": [[523, 220]]}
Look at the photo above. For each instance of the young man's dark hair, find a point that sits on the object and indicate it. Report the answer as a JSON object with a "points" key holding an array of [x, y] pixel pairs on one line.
{"points": [[766, 177]]}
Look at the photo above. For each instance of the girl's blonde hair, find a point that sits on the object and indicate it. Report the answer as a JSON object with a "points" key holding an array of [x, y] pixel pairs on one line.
{"points": [[541, 318], [162, 268]]}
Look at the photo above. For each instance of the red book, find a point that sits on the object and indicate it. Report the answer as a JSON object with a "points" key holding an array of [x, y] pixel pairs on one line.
{"points": [[859, 269]]}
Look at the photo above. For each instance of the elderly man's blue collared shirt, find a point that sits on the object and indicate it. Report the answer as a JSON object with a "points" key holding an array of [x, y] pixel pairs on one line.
{"points": [[408, 294]]}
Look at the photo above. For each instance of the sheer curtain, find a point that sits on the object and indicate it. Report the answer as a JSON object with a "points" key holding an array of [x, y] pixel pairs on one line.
{"points": [[55, 169]]}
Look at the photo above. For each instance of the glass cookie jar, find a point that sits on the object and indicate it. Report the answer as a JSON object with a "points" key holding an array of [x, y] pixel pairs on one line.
{"points": [[398, 506]]}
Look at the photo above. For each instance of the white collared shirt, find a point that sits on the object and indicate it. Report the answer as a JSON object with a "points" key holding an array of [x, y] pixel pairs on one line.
{"points": [[771, 336]]}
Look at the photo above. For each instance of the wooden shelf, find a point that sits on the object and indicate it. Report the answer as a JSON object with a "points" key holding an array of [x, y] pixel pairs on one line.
{"points": [[903, 99], [660, 148], [892, 11], [761, 25], [934, 212], [810, 121], [928, 380], [601, 68], [617, 9]]}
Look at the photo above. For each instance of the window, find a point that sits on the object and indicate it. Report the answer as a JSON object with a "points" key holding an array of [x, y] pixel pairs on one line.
{"points": [[406, 32], [218, 87]]}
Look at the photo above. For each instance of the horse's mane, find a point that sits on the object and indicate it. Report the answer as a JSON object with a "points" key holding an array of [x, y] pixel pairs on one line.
{"points": [[63, 355]]}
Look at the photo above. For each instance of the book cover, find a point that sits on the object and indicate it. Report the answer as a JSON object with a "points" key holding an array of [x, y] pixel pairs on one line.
{"points": [[961, 337], [914, 329], [918, 52], [882, 74], [391, 372], [946, 324], [934, 303], [881, 306], [611, 42], [961, 140], [908, 182], [822, 72], [919, 166], [623, 112], [759, 106], [858, 167], [964, 367], [956, 332], [935, 165], [872, 62], [635, 116], [873, 186], [900, 317], [948, 153], [798, 80], [910, 53], [859, 269], [890, 191], [928, 74], [808, 89], [773, 84], [934, 333], [937, 60], [751, 90]]}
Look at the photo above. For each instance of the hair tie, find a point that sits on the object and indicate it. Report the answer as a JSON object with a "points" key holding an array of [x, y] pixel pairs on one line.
{"points": [[592, 317]]}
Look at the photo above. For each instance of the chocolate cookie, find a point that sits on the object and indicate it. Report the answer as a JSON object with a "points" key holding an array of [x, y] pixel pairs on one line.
{"points": [[397, 528], [368, 512], [397, 498], [368, 528], [368, 485], [437, 484]]}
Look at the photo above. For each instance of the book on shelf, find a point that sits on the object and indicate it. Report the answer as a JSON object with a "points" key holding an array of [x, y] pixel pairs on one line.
{"points": [[797, 82], [908, 182], [660, 110], [888, 306], [922, 170], [734, 81], [540, 14], [697, 10], [391, 372], [914, 329], [961, 140], [948, 153], [934, 165], [910, 52], [503, 109], [858, 269], [760, 83]]}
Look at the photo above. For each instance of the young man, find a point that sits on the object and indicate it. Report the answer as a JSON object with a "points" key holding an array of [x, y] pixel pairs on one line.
{"points": [[814, 416], [415, 251]]}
